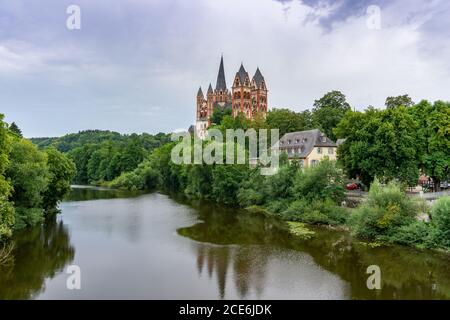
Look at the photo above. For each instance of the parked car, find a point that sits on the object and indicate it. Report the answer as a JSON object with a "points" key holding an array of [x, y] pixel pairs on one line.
{"points": [[353, 186]]}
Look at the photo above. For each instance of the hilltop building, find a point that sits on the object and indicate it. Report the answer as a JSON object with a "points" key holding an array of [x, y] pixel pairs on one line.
{"points": [[247, 96]]}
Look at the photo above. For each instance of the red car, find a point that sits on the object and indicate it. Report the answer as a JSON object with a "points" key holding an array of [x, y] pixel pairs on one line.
{"points": [[353, 186]]}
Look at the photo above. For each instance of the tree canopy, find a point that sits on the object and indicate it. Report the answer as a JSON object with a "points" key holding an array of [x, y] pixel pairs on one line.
{"points": [[328, 112]]}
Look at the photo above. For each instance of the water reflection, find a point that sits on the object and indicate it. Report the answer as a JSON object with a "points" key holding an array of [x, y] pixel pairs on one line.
{"points": [[247, 242], [39, 253], [157, 248], [84, 193]]}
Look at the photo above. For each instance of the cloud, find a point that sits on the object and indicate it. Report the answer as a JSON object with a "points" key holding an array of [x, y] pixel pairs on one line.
{"points": [[136, 65]]}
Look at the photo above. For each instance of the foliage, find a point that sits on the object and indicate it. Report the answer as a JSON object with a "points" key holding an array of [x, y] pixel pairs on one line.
{"points": [[399, 101], [323, 181], [103, 155], [440, 214], [226, 181], [386, 210], [316, 212], [433, 138], [328, 112], [28, 174], [379, 143], [15, 130], [6, 218], [61, 172], [5, 149], [288, 121], [219, 113], [31, 181], [6, 208]]}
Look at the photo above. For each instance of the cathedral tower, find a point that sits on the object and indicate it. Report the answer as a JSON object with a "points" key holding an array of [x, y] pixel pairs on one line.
{"points": [[247, 96]]}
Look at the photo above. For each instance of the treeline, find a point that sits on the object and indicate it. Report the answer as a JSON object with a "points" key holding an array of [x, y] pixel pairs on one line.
{"points": [[397, 143], [101, 156], [32, 182]]}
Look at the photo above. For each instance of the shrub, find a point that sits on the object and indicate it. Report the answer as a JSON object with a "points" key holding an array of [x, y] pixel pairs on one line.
{"points": [[316, 212], [6, 218], [28, 217], [385, 211], [417, 233], [440, 215], [324, 181]]}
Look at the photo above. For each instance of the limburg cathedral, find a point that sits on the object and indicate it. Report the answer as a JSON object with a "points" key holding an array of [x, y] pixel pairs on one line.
{"points": [[248, 96]]}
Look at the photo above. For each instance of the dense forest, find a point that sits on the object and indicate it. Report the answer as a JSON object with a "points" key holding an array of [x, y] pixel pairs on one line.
{"points": [[101, 156]]}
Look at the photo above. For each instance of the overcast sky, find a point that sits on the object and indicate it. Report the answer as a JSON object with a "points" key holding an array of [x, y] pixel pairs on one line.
{"points": [[135, 66]]}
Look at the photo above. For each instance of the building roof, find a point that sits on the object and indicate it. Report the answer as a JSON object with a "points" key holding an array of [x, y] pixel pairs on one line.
{"points": [[305, 141], [340, 141], [242, 73], [258, 77], [200, 92], [210, 90], [221, 83]]}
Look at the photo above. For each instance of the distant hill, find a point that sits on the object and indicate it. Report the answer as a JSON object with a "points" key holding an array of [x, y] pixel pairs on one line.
{"points": [[100, 156], [71, 141]]}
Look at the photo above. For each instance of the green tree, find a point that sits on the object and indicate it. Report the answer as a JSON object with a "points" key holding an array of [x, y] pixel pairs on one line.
{"points": [[395, 102], [226, 181], [6, 208], [433, 138], [328, 112], [29, 176], [219, 113], [320, 182], [288, 121], [15, 129], [379, 143], [61, 172]]}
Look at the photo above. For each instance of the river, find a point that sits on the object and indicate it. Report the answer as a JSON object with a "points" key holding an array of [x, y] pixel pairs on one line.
{"points": [[130, 245]]}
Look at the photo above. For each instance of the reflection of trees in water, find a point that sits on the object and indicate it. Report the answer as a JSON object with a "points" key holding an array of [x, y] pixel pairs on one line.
{"points": [[39, 253], [406, 273], [92, 193], [248, 265]]}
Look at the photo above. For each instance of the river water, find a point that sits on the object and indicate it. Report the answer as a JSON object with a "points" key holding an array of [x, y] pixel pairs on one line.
{"points": [[152, 246]]}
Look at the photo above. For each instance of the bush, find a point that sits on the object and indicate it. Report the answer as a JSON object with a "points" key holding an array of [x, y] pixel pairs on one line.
{"points": [[415, 234], [316, 212], [6, 218], [440, 215], [26, 217], [386, 210], [324, 181]]}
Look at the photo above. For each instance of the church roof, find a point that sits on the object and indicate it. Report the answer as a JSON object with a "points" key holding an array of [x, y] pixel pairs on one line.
{"points": [[242, 73], [210, 89], [221, 83], [258, 77], [200, 92]]}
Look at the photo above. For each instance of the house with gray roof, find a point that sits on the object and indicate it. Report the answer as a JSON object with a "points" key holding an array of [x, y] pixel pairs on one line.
{"points": [[308, 147]]}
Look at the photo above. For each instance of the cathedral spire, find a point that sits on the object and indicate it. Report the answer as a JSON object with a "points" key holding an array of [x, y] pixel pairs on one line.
{"points": [[210, 89], [200, 92], [221, 83], [258, 77]]}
